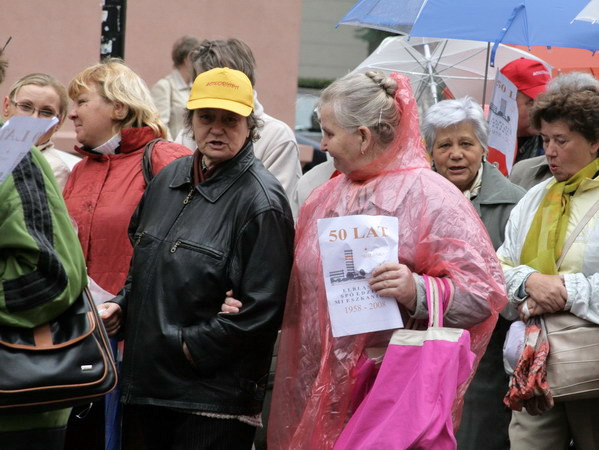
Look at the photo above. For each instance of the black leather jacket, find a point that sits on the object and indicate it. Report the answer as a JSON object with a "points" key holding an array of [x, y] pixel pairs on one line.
{"points": [[192, 245]]}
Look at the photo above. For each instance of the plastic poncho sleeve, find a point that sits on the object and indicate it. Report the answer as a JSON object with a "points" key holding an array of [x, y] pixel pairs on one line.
{"points": [[440, 235]]}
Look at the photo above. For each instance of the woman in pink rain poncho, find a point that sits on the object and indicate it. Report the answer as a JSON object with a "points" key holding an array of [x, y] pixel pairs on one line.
{"points": [[370, 125]]}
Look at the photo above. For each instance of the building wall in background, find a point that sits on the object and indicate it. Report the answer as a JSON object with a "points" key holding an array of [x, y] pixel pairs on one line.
{"points": [[63, 37], [326, 51]]}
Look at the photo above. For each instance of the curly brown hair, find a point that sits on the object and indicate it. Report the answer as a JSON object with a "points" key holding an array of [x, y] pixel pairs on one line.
{"points": [[578, 108]]}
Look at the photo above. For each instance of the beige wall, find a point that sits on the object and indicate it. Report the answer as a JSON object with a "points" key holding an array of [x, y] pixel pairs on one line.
{"points": [[326, 51], [62, 37]]}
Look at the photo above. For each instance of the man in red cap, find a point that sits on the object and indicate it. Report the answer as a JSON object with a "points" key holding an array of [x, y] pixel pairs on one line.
{"points": [[530, 77]]}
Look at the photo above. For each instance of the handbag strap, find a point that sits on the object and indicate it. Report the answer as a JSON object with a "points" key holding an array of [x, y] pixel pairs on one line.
{"points": [[585, 219], [439, 292], [432, 301], [146, 160]]}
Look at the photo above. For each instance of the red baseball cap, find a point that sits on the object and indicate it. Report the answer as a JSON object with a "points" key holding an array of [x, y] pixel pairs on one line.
{"points": [[529, 76]]}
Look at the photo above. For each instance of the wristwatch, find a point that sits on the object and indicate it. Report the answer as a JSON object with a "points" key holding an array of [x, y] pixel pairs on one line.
{"points": [[520, 295]]}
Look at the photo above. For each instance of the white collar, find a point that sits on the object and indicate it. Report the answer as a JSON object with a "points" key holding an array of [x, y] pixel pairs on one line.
{"points": [[475, 188], [109, 147]]}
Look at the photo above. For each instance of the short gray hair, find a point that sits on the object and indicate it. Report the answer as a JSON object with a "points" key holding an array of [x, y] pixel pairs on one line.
{"points": [[364, 99], [573, 81], [449, 113], [232, 53]]}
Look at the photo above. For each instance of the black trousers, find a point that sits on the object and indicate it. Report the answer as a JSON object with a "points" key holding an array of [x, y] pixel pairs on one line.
{"points": [[160, 428], [46, 439]]}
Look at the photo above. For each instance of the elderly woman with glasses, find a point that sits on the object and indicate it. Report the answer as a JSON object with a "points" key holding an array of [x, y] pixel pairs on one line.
{"points": [[41, 95], [455, 132]]}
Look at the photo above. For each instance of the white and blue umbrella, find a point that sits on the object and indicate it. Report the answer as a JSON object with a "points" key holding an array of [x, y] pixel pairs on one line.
{"points": [[433, 64], [590, 13], [521, 22], [394, 16]]}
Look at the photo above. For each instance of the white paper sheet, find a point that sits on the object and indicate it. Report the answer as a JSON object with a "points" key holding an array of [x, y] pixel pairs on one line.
{"points": [[503, 119], [350, 248], [17, 136]]}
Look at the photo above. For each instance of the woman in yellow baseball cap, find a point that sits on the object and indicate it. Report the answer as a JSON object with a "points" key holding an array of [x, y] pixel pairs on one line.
{"points": [[211, 224]]}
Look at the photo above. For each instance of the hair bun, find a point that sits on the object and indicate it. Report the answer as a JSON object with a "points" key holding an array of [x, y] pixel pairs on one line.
{"points": [[388, 84]]}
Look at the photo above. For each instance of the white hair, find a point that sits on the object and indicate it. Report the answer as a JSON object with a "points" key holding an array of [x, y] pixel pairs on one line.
{"points": [[449, 113]]}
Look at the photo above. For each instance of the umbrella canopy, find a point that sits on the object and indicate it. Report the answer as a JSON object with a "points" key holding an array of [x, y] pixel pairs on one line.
{"points": [[521, 22], [590, 13], [566, 60], [395, 16], [433, 64]]}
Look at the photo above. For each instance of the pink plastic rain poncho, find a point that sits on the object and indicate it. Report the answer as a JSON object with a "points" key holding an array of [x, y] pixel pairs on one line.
{"points": [[440, 234]]}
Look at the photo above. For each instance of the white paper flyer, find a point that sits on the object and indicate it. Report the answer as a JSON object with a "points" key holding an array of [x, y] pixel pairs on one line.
{"points": [[17, 136], [351, 247], [503, 123]]}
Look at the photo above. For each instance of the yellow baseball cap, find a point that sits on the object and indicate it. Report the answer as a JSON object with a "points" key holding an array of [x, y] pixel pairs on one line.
{"points": [[222, 88]]}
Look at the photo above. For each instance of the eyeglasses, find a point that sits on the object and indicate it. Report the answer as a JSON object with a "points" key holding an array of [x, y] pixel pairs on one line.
{"points": [[28, 109]]}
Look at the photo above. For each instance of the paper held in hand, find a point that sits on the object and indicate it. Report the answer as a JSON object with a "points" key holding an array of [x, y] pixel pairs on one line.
{"points": [[17, 136], [503, 123], [350, 248]]}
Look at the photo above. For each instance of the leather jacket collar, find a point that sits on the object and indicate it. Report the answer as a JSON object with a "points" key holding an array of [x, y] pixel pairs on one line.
{"points": [[225, 176]]}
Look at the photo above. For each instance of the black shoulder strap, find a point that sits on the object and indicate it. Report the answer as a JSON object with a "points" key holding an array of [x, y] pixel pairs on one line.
{"points": [[146, 161]]}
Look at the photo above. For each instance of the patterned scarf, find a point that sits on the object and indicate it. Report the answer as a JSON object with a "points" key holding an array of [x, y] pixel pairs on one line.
{"points": [[545, 239]]}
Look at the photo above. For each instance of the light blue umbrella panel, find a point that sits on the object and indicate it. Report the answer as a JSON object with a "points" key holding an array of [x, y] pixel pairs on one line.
{"points": [[395, 16], [521, 22]]}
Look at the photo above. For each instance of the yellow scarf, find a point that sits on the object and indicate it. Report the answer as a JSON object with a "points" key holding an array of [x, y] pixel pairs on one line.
{"points": [[545, 239]]}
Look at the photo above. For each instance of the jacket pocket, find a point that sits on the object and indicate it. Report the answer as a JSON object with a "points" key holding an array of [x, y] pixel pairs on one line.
{"points": [[177, 359], [180, 243]]}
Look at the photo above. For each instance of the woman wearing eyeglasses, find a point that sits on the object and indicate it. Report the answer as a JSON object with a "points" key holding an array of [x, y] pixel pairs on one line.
{"points": [[41, 95]]}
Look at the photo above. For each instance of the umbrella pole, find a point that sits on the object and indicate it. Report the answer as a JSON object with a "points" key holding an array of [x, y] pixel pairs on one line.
{"points": [[431, 73], [486, 74]]}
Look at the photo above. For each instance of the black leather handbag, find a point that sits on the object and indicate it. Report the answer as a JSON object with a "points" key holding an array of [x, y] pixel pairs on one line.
{"points": [[63, 363]]}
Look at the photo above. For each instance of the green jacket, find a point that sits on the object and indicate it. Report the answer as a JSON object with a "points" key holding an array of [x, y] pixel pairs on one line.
{"points": [[495, 201], [42, 270]]}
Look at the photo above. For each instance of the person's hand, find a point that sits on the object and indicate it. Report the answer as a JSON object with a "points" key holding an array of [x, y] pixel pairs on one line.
{"points": [[111, 315], [230, 305], [546, 294], [538, 403], [395, 280]]}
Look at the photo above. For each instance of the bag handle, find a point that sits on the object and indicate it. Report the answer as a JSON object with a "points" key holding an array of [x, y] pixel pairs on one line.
{"points": [[146, 160], [585, 219], [438, 293]]}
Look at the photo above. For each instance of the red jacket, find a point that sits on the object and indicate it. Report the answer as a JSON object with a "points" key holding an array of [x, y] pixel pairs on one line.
{"points": [[102, 193]]}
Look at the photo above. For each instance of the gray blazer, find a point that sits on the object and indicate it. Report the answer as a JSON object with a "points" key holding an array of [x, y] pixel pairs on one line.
{"points": [[495, 201], [530, 172]]}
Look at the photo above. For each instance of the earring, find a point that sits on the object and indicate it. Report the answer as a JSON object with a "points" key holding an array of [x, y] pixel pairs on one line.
{"points": [[362, 152]]}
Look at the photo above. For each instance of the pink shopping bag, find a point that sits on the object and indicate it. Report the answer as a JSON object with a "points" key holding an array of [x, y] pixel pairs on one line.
{"points": [[410, 403]]}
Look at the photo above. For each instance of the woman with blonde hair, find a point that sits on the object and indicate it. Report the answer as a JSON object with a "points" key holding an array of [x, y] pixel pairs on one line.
{"points": [[42, 95], [115, 119]]}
